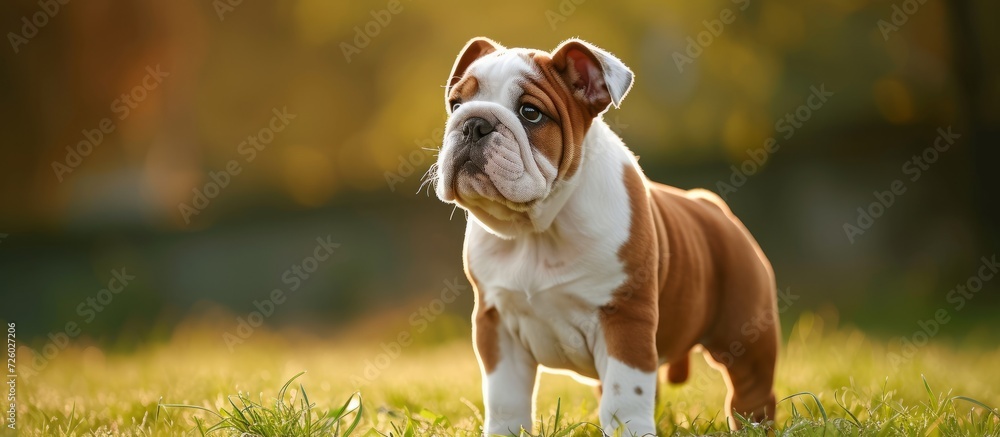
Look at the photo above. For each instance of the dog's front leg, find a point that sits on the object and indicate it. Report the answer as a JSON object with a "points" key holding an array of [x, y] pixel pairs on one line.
{"points": [[509, 373], [628, 399], [627, 366]]}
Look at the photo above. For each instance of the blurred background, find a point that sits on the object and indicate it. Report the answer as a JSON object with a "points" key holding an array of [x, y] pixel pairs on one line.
{"points": [[339, 100]]}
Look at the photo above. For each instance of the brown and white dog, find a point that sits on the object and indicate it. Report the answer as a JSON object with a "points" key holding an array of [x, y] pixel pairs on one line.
{"points": [[579, 262]]}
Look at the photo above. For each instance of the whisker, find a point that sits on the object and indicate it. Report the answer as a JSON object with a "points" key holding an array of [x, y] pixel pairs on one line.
{"points": [[431, 171], [423, 184], [429, 179]]}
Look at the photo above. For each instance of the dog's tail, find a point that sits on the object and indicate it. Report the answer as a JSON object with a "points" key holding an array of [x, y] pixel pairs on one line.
{"points": [[677, 371]]}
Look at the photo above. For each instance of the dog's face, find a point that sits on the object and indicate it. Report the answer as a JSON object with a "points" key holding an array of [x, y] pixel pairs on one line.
{"points": [[517, 120]]}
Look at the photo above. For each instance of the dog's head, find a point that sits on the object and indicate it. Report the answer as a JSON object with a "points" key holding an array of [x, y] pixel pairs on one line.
{"points": [[517, 120]]}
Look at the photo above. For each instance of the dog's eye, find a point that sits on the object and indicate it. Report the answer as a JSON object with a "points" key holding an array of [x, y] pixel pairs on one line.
{"points": [[455, 105], [530, 113]]}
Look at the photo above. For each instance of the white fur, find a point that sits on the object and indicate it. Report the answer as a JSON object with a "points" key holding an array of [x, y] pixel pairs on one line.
{"points": [[500, 75], [509, 391], [628, 399], [617, 76]]}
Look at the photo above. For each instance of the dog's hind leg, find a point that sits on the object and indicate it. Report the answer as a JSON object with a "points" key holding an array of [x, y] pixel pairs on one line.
{"points": [[677, 371], [749, 379]]}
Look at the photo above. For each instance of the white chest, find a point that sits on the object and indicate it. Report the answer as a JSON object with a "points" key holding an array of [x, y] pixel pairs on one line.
{"points": [[548, 288], [548, 294]]}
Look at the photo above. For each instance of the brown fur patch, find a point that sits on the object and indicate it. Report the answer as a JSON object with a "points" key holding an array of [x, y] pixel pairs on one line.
{"points": [[465, 89], [630, 319], [473, 50], [561, 137], [714, 280], [485, 322], [565, 59]]}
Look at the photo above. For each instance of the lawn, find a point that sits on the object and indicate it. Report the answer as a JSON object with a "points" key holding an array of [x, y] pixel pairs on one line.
{"points": [[854, 385]]}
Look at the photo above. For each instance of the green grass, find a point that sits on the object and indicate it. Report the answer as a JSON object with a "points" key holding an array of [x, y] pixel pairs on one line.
{"points": [[836, 381], [248, 416]]}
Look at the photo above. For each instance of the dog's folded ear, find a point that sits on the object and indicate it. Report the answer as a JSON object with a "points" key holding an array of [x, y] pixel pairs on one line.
{"points": [[474, 49], [594, 76]]}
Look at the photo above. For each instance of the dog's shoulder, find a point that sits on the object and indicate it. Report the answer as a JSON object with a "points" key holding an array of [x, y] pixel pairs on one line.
{"points": [[699, 202], [695, 212], [708, 197]]}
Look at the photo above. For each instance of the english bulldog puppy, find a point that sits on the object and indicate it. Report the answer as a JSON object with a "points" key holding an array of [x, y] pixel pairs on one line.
{"points": [[579, 262]]}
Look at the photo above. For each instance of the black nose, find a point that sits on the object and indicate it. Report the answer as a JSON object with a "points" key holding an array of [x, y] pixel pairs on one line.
{"points": [[476, 128]]}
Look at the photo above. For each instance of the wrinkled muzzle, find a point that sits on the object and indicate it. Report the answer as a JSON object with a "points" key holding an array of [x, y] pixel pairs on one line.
{"points": [[486, 158]]}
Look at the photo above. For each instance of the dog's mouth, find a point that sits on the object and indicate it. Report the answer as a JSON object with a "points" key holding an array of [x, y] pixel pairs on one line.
{"points": [[458, 166], [468, 160], [472, 185]]}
